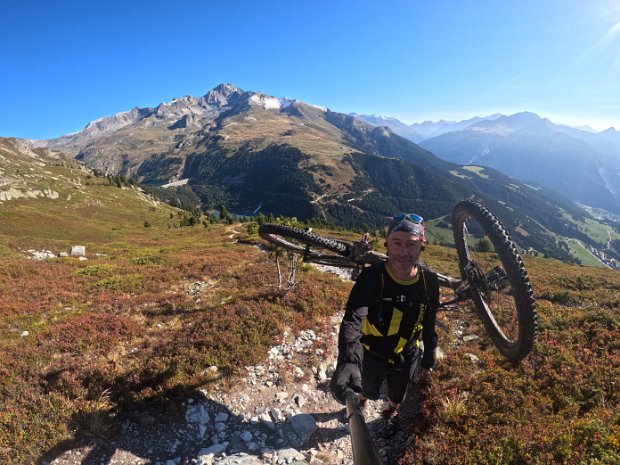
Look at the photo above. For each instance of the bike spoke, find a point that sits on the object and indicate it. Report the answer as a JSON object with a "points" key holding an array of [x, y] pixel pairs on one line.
{"points": [[500, 307], [495, 294]]}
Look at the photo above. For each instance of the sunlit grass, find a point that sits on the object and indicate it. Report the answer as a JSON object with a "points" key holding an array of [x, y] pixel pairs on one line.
{"points": [[583, 254]]}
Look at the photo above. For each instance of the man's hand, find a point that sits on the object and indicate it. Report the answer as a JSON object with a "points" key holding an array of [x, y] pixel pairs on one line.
{"points": [[346, 376]]}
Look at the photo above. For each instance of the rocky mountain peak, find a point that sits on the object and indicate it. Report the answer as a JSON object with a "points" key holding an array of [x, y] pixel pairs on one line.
{"points": [[223, 95], [179, 107], [116, 121]]}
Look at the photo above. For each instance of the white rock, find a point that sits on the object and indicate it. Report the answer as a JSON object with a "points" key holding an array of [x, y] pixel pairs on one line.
{"points": [[304, 426], [277, 415], [214, 449], [288, 455], [300, 400], [196, 413], [265, 418], [205, 460], [473, 358]]}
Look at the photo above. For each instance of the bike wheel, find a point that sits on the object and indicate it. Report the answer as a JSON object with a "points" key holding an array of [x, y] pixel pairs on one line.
{"points": [[499, 285], [308, 244]]}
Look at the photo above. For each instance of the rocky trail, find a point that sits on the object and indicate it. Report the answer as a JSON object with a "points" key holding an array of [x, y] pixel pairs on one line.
{"points": [[281, 412]]}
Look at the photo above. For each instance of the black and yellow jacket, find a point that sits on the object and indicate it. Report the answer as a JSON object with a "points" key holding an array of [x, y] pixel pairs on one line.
{"points": [[387, 317]]}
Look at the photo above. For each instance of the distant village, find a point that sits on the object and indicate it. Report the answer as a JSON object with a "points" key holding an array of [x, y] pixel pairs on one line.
{"points": [[602, 256], [599, 254]]}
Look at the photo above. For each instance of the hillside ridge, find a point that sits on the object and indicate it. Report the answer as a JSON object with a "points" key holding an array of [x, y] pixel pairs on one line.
{"points": [[242, 149]]}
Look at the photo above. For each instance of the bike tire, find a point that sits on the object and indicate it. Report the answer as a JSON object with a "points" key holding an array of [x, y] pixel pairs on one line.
{"points": [[509, 316], [283, 236], [311, 246]]}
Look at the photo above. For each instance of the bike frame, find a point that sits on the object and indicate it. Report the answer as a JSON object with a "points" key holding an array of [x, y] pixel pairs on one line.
{"points": [[509, 317]]}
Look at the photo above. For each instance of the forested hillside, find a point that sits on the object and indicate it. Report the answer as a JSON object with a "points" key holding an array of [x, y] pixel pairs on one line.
{"points": [[246, 151]]}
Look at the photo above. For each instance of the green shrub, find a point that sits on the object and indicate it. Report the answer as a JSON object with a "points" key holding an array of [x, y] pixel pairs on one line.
{"points": [[124, 283]]}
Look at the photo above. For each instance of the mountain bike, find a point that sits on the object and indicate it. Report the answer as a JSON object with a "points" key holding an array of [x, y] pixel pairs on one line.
{"points": [[493, 277]]}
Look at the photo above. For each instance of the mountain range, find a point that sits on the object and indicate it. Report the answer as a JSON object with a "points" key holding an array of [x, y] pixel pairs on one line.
{"points": [[418, 132], [581, 164], [247, 150]]}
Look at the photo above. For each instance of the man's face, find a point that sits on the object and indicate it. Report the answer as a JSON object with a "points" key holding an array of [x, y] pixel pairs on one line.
{"points": [[403, 250]]}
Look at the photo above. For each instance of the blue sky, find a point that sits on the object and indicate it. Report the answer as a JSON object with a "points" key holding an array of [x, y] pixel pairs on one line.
{"points": [[65, 63]]}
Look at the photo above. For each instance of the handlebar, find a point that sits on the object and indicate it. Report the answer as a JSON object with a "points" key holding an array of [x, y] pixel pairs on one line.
{"points": [[364, 450]]}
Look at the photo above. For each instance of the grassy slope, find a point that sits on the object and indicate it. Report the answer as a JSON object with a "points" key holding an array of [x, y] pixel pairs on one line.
{"points": [[439, 235], [313, 136], [129, 326], [81, 337], [578, 250], [560, 406]]}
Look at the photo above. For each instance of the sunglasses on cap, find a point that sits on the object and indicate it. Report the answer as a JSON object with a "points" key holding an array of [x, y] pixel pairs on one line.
{"points": [[413, 217]]}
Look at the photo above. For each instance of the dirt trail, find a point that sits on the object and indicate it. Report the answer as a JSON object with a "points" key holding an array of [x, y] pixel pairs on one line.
{"points": [[280, 412]]}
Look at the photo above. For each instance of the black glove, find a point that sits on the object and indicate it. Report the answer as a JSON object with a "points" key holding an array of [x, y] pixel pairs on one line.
{"points": [[347, 375], [428, 359]]}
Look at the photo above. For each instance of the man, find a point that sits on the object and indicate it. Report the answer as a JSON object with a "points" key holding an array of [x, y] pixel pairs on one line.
{"points": [[390, 309]]}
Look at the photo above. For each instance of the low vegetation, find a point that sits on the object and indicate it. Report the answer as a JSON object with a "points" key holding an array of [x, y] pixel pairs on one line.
{"points": [[129, 327], [559, 406], [141, 323], [152, 308]]}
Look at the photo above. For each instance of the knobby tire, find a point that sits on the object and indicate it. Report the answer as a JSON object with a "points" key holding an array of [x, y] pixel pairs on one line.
{"points": [[515, 348], [302, 242]]}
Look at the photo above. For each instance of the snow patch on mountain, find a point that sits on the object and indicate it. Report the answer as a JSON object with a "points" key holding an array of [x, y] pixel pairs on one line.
{"points": [[319, 107], [286, 102], [268, 103]]}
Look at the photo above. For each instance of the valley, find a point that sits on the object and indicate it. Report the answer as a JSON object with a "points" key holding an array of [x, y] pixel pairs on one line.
{"points": [[241, 149]]}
